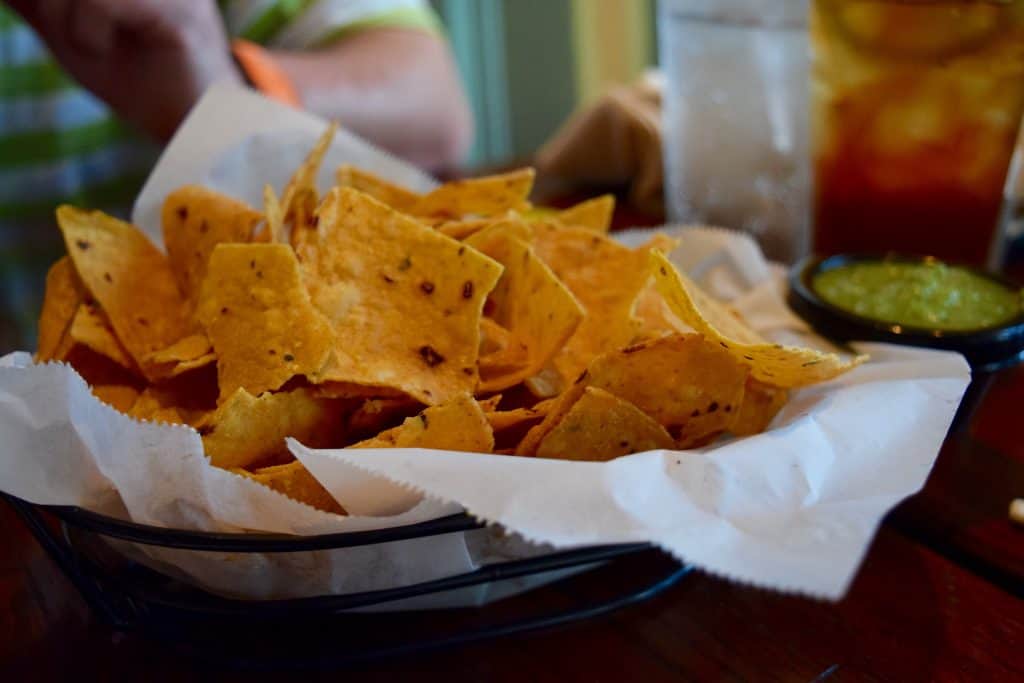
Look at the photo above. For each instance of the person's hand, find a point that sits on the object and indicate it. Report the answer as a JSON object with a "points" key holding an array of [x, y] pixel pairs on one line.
{"points": [[148, 59]]}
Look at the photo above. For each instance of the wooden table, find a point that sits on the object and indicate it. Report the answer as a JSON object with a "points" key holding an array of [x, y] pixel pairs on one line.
{"points": [[939, 597]]}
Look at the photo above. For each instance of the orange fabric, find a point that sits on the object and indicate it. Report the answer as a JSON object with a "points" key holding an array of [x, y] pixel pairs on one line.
{"points": [[264, 73]]}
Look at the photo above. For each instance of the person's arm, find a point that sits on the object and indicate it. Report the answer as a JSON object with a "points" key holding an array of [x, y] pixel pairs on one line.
{"points": [[150, 60], [397, 87]]}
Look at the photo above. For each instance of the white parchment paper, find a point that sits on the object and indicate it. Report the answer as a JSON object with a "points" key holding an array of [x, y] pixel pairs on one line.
{"points": [[793, 509]]}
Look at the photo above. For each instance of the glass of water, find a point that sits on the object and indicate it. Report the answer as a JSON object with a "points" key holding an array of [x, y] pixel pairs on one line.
{"points": [[735, 118]]}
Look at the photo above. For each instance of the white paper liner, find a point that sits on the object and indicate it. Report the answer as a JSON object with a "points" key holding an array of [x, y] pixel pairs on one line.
{"points": [[792, 509]]}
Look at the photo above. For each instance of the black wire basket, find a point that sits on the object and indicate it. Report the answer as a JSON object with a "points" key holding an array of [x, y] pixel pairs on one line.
{"points": [[324, 630]]}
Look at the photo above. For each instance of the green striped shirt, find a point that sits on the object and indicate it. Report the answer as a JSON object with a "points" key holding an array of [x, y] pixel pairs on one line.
{"points": [[59, 144]]}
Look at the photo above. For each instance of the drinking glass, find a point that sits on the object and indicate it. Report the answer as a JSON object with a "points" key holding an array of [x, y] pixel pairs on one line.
{"points": [[915, 108]]}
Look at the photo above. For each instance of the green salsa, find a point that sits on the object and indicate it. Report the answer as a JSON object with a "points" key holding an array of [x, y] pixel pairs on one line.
{"points": [[926, 294]]}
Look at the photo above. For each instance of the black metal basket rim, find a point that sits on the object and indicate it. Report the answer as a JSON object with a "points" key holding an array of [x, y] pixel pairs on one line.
{"points": [[186, 539], [212, 604]]}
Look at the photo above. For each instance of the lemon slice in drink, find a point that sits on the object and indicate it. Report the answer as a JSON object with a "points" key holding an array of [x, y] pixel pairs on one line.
{"points": [[915, 29]]}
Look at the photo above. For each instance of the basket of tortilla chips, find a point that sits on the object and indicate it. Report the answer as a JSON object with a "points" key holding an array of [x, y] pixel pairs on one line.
{"points": [[376, 317], [338, 353]]}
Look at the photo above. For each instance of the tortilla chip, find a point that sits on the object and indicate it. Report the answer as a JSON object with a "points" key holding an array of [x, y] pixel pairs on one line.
{"points": [[64, 295], [546, 383], [300, 197], [489, 404], [499, 369], [485, 196], [350, 390], [195, 220], [129, 277], [156, 405], [295, 481], [761, 403], [532, 303], [688, 385], [246, 431], [259, 318], [557, 409], [501, 420], [606, 278], [494, 337], [152, 403], [510, 220], [121, 397], [500, 350], [274, 214], [458, 425], [300, 194], [194, 351], [497, 231], [774, 364], [171, 416], [377, 414], [601, 426], [594, 214], [656, 319], [404, 301], [90, 328], [193, 395], [395, 196]]}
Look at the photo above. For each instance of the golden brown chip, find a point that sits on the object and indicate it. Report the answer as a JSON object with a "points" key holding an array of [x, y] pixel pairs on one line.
{"points": [[594, 214], [156, 405], [130, 279], [119, 396], [190, 353], [501, 420], [195, 220], [687, 384], [489, 404], [350, 390], [761, 403], [532, 303], [274, 214], [656, 319], [300, 194], [171, 416], [90, 328], [64, 295], [395, 196], [404, 301], [246, 431], [774, 364], [485, 196], [463, 228], [497, 231], [545, 384], [557, 409], [300, 197], [377, 414], [493, 337], [601, 426], [458, 425], [259, 318], [606, 278], [295, 481], [500, 369], [193, 395]]}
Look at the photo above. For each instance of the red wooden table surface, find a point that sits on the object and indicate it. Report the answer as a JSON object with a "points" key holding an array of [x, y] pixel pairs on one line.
{"points": [[938, 598]]}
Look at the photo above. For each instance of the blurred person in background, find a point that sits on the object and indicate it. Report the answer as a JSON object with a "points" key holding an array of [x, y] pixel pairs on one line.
{"points": [[89, 89]]}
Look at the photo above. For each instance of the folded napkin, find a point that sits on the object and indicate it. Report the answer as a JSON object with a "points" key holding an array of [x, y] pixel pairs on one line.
{"points": [[614, 141]]}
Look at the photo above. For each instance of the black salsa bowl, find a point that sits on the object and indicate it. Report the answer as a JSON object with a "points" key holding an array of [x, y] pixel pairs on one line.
{"points": [[986, 349]]}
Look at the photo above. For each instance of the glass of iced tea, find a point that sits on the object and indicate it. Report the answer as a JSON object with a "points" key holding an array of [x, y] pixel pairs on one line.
{"points": [[915, 107]]}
